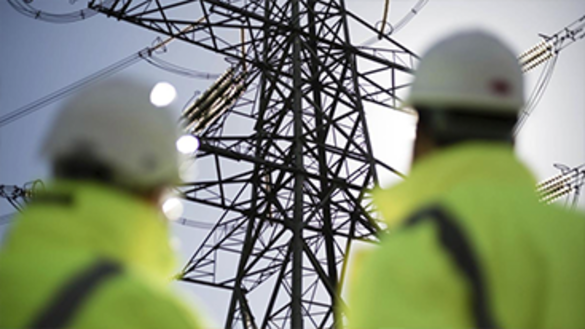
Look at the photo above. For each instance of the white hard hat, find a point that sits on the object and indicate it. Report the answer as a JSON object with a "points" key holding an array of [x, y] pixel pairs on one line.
{"points": [[470, 71], [114, 123]]}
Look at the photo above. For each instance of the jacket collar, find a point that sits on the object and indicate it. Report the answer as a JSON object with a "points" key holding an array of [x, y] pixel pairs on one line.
{"points": [[107, 222], [444, 170]]}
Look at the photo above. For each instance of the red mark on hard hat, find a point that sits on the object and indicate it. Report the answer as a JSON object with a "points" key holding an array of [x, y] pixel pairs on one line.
{"points": [[500, 87]]}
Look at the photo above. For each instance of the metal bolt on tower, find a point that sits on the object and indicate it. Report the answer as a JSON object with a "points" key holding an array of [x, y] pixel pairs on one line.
{"points": [[285, 156]]}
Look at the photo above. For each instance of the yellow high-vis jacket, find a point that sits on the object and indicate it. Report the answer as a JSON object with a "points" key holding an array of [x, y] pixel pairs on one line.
{"points": [[88, 256], [471, 246]]}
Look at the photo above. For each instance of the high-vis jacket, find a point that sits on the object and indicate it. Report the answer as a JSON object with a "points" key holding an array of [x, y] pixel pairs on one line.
{"points": [[470, 246], [87, 256]]}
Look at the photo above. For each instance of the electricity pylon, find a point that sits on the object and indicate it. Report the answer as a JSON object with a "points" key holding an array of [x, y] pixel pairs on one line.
{"points": [[285, 153]]}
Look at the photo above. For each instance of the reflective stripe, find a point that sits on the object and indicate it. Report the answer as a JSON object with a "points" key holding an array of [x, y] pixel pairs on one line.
{"points": [[72, 296], [455, 242]]}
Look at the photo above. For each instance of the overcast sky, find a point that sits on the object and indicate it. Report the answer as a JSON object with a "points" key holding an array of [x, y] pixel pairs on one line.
{"points": [[37, 58]]}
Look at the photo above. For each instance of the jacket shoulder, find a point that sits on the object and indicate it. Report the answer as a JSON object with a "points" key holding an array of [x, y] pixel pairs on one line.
{"points": [[130, 301], [407, 282]]}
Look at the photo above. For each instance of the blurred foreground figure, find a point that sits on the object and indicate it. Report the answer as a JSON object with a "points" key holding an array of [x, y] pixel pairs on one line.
{"points": [[470, 246], [93, 251]]}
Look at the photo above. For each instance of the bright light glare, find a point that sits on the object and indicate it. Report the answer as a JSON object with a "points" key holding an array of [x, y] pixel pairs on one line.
{"points": [[187, 144], [163, 94], [173, 208]]}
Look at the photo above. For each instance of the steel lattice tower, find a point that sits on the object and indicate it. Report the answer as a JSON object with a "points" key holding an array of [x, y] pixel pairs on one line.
{"points": [[288, 156]]}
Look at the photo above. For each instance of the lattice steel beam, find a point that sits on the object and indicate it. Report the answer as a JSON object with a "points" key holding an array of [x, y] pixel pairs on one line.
{"points": [[287, 166]]}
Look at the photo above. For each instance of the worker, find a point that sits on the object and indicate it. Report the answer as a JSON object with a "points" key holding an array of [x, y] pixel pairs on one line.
{"points": [[468, 243], [92, 250]]}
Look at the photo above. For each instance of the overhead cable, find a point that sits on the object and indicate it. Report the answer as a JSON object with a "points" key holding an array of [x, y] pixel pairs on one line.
{"points": [[146, 54], [536, 94], [23, 7], [71, 88], [179, 70]]}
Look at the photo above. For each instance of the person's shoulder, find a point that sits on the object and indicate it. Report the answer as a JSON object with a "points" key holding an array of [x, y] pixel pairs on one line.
{"points": [[567, 224], [566, 214], [131, 301], [485, 202]]}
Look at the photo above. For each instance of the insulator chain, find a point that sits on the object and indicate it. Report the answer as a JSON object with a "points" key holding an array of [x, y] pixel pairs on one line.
{"points": [[570, 180], [550, 46]]}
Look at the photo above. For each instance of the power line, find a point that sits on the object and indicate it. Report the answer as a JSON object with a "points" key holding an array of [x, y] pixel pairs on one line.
{"points": [[69, 89], [25, 9], [179, 70], [146, 54], [536, 95]]}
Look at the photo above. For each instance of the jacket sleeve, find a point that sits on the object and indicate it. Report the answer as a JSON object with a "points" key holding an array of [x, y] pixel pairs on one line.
{"points": [[126, 303], [409, 282]]}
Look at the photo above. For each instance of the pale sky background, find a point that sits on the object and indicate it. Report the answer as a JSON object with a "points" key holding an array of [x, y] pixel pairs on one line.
{"points": [[37, 58]]}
